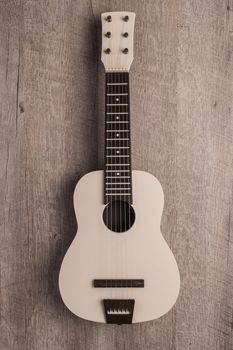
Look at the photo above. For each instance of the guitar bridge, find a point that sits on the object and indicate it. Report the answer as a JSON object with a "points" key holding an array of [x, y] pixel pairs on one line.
{"points": [[118, 283], [119, 311]]}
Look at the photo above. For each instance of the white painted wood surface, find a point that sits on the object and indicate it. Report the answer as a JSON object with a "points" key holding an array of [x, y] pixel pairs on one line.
{"points": [[117, 60], [97, 252]]}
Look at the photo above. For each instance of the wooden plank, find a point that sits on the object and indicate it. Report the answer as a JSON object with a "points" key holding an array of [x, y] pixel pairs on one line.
{"points": [[51, 110]]}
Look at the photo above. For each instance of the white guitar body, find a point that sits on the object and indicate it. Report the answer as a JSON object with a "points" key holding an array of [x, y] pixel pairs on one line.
{"points": [[99, 253]]}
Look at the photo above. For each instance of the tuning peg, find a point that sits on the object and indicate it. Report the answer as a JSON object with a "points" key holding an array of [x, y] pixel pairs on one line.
{"points": [[109, 18], [108, 34], [125, 35], [107, 51], [126, 18], [125, 51]]}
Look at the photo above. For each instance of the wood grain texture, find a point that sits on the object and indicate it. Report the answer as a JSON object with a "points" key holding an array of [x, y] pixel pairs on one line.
{"points": [[51, 114]]}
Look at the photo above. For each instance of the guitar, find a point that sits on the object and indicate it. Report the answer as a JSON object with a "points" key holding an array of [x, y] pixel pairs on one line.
{"points": [[118, 269]]}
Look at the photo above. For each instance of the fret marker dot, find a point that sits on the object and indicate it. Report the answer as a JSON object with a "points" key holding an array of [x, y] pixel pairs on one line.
{"points": [[117, 117], [117, 152], [117, 99], [117, 135], [118, 174]]}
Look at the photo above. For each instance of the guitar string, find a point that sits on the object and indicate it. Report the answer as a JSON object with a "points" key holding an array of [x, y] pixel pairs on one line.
{"points": [[113, 207], [105, 167], [116, 127], [120, 175], [121, 196], [125, 196], [109, 197], [121, 143], [128, 141], [106, 162], [130, 166], [125, 199], [117, 168], [109, 161], [111, 80], [121, 201], [112, 197]]}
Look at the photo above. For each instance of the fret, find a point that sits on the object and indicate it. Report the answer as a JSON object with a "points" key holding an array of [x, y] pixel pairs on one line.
{"points": [[113, 188], [117, 83], [116, 156], [117, 177], [118, 183], [108, 139], [116, 133], [117, 113], [117, 130], [117, 104], [117, 164], [118, 150], [117, 194], [117, 147], [119, 122], [118, 189], [117, 94], [121, 170]]}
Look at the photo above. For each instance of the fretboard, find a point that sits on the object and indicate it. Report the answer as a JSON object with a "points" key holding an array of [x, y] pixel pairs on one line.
{"points": [[118, 174]]}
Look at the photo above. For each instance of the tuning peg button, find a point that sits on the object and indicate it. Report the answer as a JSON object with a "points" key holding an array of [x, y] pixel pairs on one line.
{"points": [[109, 18], [108, 34], [126, 18], [107, 51], [125, 51]]}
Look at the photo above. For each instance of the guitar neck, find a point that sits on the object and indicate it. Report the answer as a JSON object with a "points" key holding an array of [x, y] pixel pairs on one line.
{"points": [[118, 173]]}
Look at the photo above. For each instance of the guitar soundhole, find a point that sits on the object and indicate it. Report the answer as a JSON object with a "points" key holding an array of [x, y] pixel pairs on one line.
{"points": [[119, 216]]}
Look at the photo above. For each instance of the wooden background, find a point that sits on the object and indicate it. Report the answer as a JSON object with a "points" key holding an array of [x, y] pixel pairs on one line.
{"points": [[51, 114]]}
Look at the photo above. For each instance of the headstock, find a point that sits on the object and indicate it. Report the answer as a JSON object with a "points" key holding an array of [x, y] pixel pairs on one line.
{"points": [[117, 40]]}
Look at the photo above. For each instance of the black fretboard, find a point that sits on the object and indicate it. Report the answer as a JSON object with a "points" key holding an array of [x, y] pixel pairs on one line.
{"points": [[118, 174]]}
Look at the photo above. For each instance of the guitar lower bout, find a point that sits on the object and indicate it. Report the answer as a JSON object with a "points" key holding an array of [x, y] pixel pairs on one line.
{"points": [[119, 277]]}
